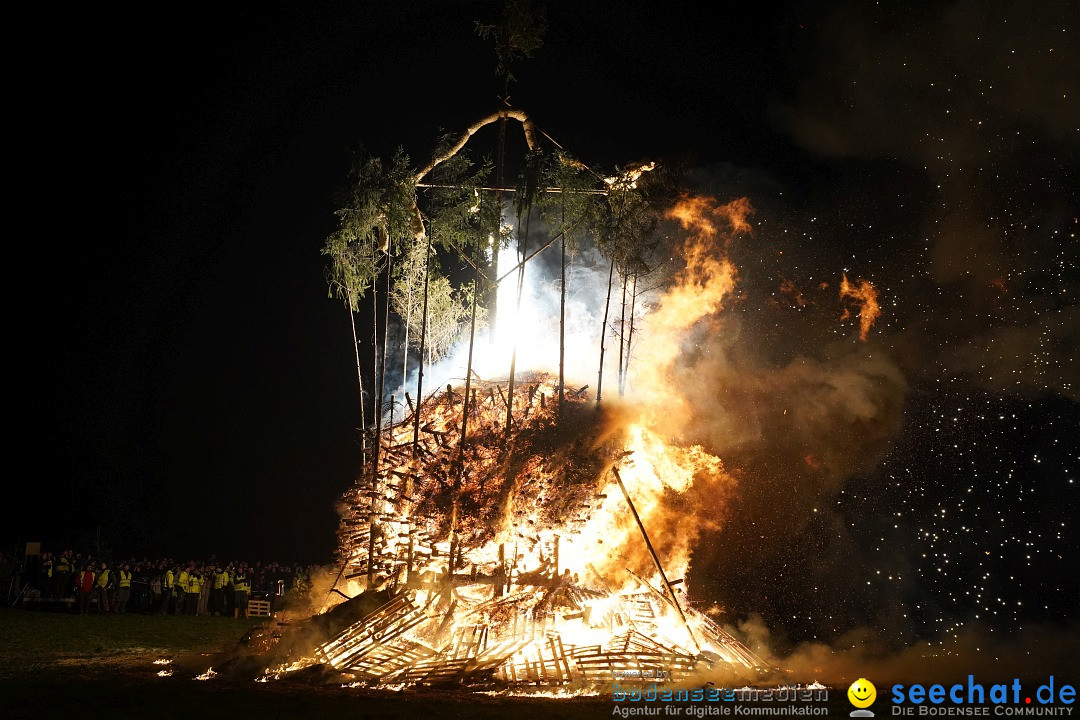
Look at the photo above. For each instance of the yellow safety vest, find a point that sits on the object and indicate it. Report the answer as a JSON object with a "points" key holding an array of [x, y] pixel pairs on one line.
{"points": [[183, 581], [125, 579], [240, 584], [103, 579], [169, 578], [194, 583]]}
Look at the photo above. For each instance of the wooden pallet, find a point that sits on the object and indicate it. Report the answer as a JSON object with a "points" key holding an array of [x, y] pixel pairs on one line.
{"points": [[258, 608], [389, 658], [542, 661], [603, 667], [636, 641], [370, 634], [438, 671]]}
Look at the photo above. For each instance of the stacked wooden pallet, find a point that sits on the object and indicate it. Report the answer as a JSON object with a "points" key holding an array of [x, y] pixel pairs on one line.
{"points": [[361, 644]]}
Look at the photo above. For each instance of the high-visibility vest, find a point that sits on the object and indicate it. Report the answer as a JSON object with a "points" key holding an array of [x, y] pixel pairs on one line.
{"points": [[240, 583], [194, 583], [125, 579], [103, 579], [62, 565], [168, 578], [221, 579], [48, 568], [86, 580], [183, 580]]}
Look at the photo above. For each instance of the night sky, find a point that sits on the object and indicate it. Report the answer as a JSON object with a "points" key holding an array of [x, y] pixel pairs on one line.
{"points": [[188, 388]]}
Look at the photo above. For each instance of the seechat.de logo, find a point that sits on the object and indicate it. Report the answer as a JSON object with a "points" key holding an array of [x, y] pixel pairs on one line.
{"points": [[862, 694], [964, 699]]}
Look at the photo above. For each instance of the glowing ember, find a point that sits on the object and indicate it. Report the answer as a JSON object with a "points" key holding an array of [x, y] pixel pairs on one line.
{"points": [[867, 297], [163, 661], [165, 673], [206, 675]]}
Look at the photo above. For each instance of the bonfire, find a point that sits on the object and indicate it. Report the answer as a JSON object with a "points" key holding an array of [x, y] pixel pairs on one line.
{"points": [[515, 560]]}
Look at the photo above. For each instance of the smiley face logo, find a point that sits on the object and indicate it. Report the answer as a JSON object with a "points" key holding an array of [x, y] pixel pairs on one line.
{"points": [[862, 693]]}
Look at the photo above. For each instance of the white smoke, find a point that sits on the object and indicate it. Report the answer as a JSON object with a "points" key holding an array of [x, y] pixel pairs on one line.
{"points": [[533, 327]]}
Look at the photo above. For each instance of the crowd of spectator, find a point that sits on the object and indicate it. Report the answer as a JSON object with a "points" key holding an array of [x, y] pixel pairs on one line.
{"points": [[151, 586]]}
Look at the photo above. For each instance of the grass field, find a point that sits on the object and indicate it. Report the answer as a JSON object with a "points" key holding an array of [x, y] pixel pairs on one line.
{"points": [[36, 643], [56, 665]]}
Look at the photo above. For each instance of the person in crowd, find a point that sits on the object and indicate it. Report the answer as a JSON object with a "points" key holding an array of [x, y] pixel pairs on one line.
{"points": [[62, 568], [217, 591], [181, 592], [241, 589], [140, 588], [194, 590], [84, 584], [45, 575], [102, 588], [154, 582], [230, 590], [123, 588], [168, 579]]}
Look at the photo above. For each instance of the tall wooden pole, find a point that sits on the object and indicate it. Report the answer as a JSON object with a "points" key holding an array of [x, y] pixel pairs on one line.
{"points": [[423, 340], [656, 559], [378, 424], [603, 334]]}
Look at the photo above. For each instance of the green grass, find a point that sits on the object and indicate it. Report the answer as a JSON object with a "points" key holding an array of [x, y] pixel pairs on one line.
{"points": [[36, 641], [56, 665]]}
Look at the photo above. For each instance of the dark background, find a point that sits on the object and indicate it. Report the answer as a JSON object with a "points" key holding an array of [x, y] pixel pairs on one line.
{"points": [[186, 387]]}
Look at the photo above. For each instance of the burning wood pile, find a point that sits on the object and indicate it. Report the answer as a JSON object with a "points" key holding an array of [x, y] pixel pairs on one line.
{"points": [[520, 556]]}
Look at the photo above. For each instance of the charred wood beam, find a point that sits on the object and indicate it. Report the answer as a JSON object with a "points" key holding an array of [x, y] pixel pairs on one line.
{"points": [[656, 558]]}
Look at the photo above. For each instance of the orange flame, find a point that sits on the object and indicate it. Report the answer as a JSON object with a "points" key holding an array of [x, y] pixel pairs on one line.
{"points": [[867, 296], [706, 219], [698, 291]]}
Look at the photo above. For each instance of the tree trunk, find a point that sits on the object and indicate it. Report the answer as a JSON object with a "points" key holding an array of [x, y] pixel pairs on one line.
{"points": [[374, 447], [359, 373], [630, 337], [500, 177], [405, 348], [603, 332], [460, 469], [522, 246], [374, 357], [378, 422], [622, 335], [562, 321], [423, 340]]}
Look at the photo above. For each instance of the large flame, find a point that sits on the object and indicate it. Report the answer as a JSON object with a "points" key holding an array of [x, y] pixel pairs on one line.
{"points": [[698, 292]]}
